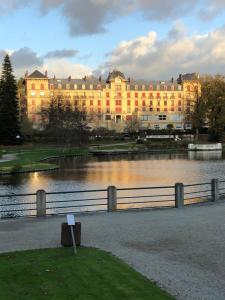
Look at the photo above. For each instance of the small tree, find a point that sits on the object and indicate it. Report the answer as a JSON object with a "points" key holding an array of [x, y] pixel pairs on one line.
{"points": [[133, 125], [9, 108], [65, 123]]}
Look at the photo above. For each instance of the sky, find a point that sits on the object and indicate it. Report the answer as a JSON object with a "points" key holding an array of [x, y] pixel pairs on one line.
{"points": [[145, 39]]}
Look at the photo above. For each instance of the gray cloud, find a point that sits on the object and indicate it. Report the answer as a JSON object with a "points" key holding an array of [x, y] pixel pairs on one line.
{"points": [[25, 58], [65, 53], [7, 6], [87, 17]]}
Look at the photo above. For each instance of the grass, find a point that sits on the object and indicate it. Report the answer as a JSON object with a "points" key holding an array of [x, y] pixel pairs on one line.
{"points": [[28, 158], [60, 275]]}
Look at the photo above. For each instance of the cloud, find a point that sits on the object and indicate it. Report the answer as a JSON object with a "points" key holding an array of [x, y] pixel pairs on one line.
{"points": [[65, 53], [11, 5], [153, 58], [87, 17], [63, 68], [26, 59]]}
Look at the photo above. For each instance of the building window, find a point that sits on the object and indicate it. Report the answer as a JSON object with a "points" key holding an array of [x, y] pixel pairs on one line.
{"points": [[42, 86], [42, 93], [158, 109], [162, 117], [143, 108], [143, 95], [118, 109], [128, 87], [179, 102], [179, 109], [156, 127], [118, 102], [136, 87], [165, 109], [143, 103], [136, 95], [158, 95], [150, 87], [107, 94], [118, 87], [33, 86], [172, 108], [59, 86], [143, 87], [128, 95], [151, 96], [33, 93], [91, 102], [99, 103], [136, 102], [151, 109], [107, 117], [91, 86], [75, 86], [107, 103], [128, 102]]}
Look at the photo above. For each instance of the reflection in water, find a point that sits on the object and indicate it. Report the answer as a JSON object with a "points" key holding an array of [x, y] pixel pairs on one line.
{"points": [[205, 155], [122, 171]]}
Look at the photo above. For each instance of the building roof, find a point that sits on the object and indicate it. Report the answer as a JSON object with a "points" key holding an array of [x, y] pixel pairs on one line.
{"points": [[37, 74], [112, 75], [190, 76]]}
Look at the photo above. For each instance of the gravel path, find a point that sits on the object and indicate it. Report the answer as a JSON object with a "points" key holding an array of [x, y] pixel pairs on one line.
{"points": [[183, 250]]}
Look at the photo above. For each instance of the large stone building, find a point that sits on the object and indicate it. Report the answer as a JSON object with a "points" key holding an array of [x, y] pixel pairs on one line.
{"points": [[114, 102]]}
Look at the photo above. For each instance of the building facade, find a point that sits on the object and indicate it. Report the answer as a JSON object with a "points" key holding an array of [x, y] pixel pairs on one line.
{"points": [[117, 101]]}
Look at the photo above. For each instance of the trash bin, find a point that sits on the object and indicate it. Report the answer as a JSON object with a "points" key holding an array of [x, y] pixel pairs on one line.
{"points": [[66, 238]]}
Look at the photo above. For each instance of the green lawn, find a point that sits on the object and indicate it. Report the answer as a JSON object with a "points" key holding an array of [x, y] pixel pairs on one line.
{"points": [[28, 158], [60, 275]]}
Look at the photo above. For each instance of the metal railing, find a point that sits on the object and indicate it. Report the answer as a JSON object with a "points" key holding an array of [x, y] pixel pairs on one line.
{"points": [[44, 203]]}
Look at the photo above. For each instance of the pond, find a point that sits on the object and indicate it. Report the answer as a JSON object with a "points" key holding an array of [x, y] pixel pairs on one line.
{"points": [[82, 173]]}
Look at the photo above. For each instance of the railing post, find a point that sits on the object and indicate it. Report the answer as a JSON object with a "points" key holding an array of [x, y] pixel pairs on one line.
{"points": [[179, 195], [41, 203], [215, 190], [112, 198]]}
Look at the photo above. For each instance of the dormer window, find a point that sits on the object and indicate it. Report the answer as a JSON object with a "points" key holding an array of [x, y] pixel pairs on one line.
{"points": [[83, 86], [136, 87], [91, 86], [75, 86]]}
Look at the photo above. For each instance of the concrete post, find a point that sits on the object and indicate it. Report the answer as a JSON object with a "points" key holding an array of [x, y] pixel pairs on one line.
{"points": [[112, 198], [215, 190], [41, 203], [179, 195]]}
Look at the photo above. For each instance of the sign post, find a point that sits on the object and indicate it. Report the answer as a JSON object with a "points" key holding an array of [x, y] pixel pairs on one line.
{"points": [[71, 223]]}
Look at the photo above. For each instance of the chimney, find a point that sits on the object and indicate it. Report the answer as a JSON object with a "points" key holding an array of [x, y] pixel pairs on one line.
{"points": [[69, 78]]}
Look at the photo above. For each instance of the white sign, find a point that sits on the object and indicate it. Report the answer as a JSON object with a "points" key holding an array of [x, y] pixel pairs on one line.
{"points": [[70, 220]]}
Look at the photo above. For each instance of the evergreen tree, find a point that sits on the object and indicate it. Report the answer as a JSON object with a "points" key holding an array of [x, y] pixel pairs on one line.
{"points": [[9, 107]]}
